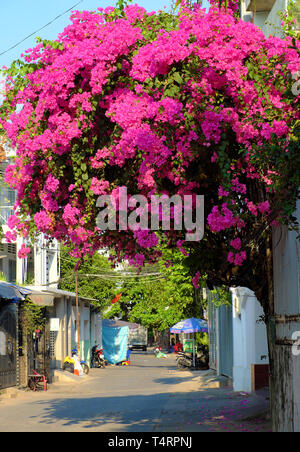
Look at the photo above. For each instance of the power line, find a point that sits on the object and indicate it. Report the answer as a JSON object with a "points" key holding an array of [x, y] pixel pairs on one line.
{"points": [[123, 275], [49, 23], [149, 274]]}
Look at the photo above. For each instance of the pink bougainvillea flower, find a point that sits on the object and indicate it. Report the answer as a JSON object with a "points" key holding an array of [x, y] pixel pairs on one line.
{"points": [[23, 251]]}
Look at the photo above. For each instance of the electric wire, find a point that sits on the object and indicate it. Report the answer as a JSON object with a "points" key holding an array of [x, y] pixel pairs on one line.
{"points": [[132, 270], [37, 31]]}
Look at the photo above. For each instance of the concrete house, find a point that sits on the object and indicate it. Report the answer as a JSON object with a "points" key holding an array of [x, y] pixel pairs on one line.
{"points": [[238, 340], [38, 276]]}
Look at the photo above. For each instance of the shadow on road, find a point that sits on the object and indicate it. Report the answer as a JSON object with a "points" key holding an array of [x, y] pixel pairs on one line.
{"points": [[204, 411]]}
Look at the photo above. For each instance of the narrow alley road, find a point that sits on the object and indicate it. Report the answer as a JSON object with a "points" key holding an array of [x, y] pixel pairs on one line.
{"points": [[151, 395]]}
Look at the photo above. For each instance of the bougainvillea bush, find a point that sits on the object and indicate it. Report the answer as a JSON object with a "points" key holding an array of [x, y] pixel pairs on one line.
{"points": [[190, 103]]}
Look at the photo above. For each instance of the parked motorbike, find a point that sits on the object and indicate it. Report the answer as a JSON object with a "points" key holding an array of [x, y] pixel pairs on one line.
{"points": [[84, 364], [185, 360], [98, 357], [68, 364]]}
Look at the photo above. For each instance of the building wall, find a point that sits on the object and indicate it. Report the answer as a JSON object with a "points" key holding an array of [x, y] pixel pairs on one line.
{"points": [[42, 265], [90, 329], [267, 20], [250, 345], [286, 251], [96, 329]]}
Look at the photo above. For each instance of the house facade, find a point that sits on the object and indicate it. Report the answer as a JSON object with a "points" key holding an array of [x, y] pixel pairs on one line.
{"points": [[250, 346], [38, 276], [238, 340]]}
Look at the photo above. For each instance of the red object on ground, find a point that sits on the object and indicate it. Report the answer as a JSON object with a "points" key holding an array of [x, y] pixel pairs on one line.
{"points": [[36, 380]]}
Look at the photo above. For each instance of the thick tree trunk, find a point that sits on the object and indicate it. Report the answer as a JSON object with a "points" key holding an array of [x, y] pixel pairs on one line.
{"points": [[282, 389], [155, 335], [284, 382], [278, 359], [284, 329], [267, 300]]}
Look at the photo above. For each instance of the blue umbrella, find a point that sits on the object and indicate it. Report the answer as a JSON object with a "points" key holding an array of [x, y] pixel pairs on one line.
{"points": [[191, 325]]}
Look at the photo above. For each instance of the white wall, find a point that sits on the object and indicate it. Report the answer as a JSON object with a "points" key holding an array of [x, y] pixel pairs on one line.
{"points": [[96, 329], [249, 337], [266, 19], [90, 324]]}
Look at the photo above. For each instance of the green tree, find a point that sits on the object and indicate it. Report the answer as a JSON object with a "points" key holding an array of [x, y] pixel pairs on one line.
{"points": [[100, 287], [162, 300]]}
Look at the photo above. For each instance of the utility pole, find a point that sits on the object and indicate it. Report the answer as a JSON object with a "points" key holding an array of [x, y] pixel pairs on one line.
{"points": [[77, 309]]}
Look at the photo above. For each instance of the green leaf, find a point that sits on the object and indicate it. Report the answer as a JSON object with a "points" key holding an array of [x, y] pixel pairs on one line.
{"points": [[178, 78]]}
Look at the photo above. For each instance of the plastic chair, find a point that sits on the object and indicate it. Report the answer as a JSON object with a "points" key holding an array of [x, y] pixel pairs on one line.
{"points": [[127, 362], [37, 381]]}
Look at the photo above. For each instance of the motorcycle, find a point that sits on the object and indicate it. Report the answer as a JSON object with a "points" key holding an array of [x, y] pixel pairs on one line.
{"points": [[68, 364], [98, 357], [185, 360]]}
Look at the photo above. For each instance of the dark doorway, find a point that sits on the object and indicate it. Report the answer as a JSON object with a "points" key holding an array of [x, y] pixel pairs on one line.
{"points": [[8, 354]]}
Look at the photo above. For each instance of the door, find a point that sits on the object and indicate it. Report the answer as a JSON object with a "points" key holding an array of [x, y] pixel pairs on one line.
{"points": [[8, 353]]}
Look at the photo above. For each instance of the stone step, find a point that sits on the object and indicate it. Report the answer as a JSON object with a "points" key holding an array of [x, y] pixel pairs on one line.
{"points": [[9, 393], [63, 377]]}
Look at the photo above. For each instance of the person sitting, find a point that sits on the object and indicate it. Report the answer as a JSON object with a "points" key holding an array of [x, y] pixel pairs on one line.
{"points": [[178, 347]]}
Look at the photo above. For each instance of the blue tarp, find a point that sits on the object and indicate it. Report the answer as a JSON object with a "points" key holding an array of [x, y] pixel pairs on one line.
{"points": [[115, 341]]}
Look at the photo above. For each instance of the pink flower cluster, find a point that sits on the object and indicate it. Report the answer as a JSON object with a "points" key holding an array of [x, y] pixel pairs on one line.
{"points": [[23, 251], [105, 107]]}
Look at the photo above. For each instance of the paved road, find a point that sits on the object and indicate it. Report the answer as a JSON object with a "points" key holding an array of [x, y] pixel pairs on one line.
{"points": [[150, 395]]}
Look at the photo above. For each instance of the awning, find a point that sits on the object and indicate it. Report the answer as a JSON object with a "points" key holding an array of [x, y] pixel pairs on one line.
{"points": [[17, 293], [11, 292], [45, 297], [260, 5], [59, 293]]}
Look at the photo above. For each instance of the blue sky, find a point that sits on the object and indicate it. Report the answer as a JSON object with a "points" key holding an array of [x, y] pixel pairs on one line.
{"points": [[20, 18]]}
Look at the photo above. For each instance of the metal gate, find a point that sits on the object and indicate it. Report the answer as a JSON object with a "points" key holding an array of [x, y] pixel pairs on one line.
{"points": [[212, 330], [8, 353], [226, 340]]}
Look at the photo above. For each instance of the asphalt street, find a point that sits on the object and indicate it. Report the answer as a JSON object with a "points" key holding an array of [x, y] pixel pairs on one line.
{"points": [[150, 395]]}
